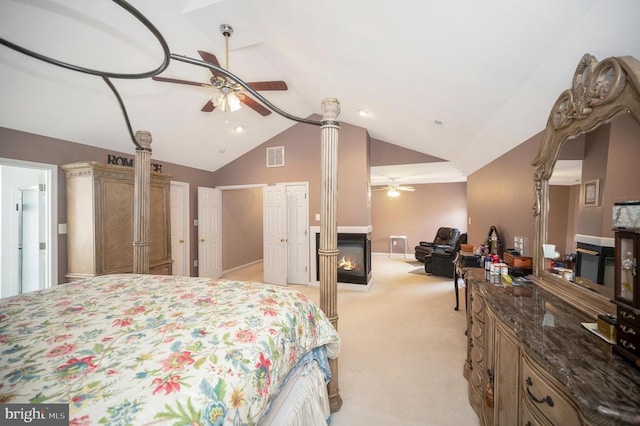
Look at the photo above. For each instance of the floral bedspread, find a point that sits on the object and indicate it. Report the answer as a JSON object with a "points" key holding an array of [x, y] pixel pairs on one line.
{"points": [[143, 349]]}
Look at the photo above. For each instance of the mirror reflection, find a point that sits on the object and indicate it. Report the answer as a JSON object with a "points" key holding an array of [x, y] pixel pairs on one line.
{"points": [[593, 171]]}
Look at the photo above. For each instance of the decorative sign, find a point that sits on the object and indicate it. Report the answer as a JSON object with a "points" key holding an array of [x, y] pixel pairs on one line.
{"points": [[129, 162]]}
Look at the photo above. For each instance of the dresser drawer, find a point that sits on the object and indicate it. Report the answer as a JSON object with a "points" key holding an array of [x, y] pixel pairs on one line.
{"points": [[477, 353], [475, 392], [475, 376], [628, 336], [544, 397], [477, 332], [477, 306], [528, 418], [629, 315]]}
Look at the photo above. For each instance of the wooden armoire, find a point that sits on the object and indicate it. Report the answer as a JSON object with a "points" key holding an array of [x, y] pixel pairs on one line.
{"points": [[100, 220]]}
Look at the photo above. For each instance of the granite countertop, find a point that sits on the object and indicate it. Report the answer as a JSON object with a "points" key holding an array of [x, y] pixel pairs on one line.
{"points": [[605, 386]]}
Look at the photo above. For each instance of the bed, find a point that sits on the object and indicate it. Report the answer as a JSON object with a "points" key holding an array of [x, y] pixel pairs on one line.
{"points": [[147, 349]]}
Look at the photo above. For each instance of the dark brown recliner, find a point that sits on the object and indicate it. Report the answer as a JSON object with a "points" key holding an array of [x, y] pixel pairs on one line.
{"points": [[440, 263], [445, 239]]}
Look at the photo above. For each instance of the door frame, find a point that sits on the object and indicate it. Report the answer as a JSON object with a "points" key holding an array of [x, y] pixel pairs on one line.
{"points": [[305, 257], [185, 227], [52, 227], [213, 231], [285, 184]]}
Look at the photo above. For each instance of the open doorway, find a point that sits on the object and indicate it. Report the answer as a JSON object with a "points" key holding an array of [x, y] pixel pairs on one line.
{"points": [[243, 240], [28, 236]]}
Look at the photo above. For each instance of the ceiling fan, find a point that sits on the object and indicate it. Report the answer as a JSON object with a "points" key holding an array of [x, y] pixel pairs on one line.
{"points": [[230, 93], [393, 189]]}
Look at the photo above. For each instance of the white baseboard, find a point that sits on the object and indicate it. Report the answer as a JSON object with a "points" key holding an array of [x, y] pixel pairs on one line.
{"points": [[347, 286], [241, 266]]}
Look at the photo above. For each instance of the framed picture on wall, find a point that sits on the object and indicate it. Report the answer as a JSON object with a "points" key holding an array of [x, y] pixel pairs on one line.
{"points": [[592, 192]]}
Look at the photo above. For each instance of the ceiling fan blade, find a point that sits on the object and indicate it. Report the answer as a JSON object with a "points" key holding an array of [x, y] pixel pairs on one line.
{"points": [[173, 80], [208, 107], [211, 58], [254, 105], [268, 85], [405, 188]]}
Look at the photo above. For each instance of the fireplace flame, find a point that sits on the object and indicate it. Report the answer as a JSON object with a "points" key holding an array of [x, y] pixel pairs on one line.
{"points": [[347, 264]]}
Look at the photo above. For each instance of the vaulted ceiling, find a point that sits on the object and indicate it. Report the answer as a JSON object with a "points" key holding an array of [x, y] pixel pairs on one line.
{"points": [[463, 80]]}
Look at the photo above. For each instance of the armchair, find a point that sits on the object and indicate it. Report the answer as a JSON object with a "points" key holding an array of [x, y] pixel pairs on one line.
{"points": [[445, 239], [440, 262]]}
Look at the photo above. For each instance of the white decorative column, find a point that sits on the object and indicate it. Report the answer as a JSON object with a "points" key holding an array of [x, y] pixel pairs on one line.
{"points": [[141, 203], [328, 250]]}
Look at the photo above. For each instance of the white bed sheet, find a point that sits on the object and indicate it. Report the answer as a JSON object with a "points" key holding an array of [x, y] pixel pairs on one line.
{"points": [[303, 400]]}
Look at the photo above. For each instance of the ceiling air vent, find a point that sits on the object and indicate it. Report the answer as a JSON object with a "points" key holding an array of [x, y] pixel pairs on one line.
{"points": [[275, 156]]}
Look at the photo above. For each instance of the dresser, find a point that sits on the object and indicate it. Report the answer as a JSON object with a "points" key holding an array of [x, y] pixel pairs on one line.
{"points": [[530, 361], [100, 220]]}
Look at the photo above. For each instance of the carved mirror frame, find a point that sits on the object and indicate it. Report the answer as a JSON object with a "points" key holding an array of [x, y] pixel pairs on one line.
{"points": [[601, 90]]}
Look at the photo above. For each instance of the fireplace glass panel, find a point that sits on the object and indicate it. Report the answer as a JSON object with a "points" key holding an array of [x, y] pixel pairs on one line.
{"points": [[353, 260]]}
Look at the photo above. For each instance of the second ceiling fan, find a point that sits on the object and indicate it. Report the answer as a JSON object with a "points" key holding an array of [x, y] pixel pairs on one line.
{"points": [[230, 93], [393, 188]]}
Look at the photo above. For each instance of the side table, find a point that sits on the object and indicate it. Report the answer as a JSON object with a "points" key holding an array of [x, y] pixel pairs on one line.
{"points": [[393, 238], [461, 261]]}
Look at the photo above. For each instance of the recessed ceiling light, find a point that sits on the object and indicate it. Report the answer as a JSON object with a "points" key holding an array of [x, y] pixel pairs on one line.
{"points": [[238, 129], [363, 113]]}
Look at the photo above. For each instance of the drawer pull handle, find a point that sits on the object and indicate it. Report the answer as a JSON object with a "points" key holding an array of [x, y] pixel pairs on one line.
{"points": [[546, 399], [627, 345], [627, 329], [627, 315]]}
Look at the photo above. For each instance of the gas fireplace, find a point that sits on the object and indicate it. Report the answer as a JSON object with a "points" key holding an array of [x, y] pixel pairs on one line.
{"points": [[354, 258], [595, 260]]}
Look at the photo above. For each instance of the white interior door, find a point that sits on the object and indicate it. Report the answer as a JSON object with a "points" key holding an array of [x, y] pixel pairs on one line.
{"points": [[275, 237], [31, 244], [41, 212], [209, 232], [180, 228], [297, 234]]}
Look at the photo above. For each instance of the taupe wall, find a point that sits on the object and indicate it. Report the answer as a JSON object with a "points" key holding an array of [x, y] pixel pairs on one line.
{"points": [[610, 154], [30, 147], [418, 214], [386, 154], [561, 204], [622, 181], [594, 166], [501, 194], [302, 146], [242, 227]]}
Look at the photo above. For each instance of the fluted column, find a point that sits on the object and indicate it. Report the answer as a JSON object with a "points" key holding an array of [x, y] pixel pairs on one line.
{"points": [[141, 203], [328, 250]]}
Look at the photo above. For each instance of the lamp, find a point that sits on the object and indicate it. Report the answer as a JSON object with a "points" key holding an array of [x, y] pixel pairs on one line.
{"points": [[227, 101], [393, 193]]}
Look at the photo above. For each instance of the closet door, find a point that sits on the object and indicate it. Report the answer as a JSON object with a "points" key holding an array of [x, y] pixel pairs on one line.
{"points": [[209, 232], [275, 234]]}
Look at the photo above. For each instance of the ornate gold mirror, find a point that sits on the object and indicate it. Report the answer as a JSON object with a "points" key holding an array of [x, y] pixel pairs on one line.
{"points": [[600, 92]]}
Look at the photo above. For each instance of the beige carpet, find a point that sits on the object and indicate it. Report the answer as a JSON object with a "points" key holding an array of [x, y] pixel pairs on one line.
{"points": [[403, 348]]}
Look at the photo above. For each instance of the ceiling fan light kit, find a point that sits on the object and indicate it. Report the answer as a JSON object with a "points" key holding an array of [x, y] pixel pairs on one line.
{"points": [[226, 102], [230, 96]]}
